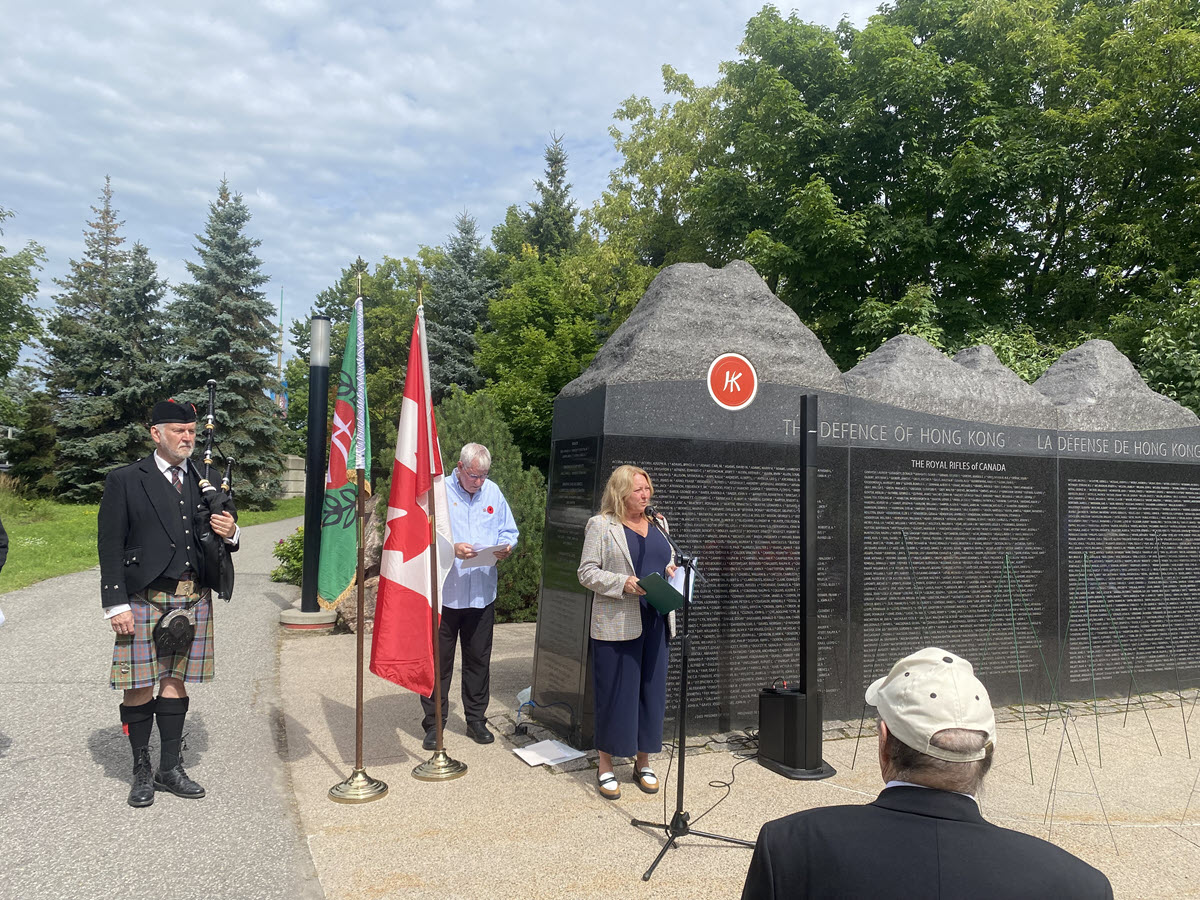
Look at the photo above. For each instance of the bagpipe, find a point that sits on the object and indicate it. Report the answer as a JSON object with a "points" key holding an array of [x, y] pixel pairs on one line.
{"points": [[218, 564]]}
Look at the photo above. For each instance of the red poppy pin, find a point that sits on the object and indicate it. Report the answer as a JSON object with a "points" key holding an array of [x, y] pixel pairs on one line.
{"points": [[490, 510]]}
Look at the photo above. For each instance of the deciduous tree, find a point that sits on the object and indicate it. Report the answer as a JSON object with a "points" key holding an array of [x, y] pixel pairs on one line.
{"points": [[19, 322]]}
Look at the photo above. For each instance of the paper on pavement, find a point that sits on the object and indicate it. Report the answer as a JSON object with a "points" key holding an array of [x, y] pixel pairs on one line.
{"points": [[548, 753]]}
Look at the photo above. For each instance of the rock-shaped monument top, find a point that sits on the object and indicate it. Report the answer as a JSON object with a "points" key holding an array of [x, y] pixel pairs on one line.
{"points": [[1095, 388], [908, 372], [692, 313]]}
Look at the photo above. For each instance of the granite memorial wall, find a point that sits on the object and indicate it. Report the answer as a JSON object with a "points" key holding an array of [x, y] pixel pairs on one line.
{"points": [[1046, 532]]}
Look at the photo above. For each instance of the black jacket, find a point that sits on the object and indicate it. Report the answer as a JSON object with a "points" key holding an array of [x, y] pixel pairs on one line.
{"points": [[143, 526], [911, 842]]}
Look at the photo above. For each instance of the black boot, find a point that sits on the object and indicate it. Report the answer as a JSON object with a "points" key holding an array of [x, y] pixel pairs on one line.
{"points": [[170, 776], [142, 792], [176, 780], [137, 722]]}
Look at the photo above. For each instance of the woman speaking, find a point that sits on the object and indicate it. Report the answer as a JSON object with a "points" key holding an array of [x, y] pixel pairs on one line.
{"points": [[629, 637]]}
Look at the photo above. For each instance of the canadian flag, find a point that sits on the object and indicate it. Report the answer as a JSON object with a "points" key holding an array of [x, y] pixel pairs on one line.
{"points": [[402, 642]]}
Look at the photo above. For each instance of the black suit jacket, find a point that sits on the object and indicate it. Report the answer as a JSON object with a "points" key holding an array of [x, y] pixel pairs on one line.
{"points": [[911, 842], [141, 523]]}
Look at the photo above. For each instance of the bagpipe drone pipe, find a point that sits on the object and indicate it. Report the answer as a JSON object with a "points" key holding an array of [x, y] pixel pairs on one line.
{"points": [[218, 563]]}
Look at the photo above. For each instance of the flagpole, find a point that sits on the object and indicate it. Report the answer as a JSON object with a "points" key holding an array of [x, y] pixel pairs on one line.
{"points": [[440, 767], [359, 787]]}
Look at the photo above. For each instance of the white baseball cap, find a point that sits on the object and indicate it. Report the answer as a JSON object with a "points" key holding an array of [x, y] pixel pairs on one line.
{"points": [[928, 692]]}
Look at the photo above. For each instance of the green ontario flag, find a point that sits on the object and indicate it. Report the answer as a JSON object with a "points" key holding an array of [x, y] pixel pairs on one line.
{"points": [[349, 450]]}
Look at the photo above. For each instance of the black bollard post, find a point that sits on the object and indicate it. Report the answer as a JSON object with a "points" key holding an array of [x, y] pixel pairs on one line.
{"points": [[314, 475]]}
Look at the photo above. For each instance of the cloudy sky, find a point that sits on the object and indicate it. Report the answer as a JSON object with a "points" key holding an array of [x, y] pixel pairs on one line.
{"points": [[350, 128]]}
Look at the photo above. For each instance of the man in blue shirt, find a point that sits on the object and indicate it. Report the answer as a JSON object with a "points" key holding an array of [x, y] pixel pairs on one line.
{"points": [[479, 518]]}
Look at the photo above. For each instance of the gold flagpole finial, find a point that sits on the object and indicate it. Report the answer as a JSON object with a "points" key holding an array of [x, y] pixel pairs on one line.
{"points": [[420, 289], [360, 282]]}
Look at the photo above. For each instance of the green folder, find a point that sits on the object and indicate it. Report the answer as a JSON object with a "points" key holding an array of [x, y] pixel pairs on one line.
{"points": [[660, 594]]}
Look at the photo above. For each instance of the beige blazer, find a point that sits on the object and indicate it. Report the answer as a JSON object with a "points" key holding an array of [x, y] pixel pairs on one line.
{"points": [[603, 568]]}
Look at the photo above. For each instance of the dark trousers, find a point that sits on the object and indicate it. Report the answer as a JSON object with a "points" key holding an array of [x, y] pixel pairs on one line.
{"points": [[473, 628], [629, 689]]}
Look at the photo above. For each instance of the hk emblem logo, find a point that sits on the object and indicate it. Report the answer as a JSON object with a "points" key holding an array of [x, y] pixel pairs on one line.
{"points": [[732, 381]]}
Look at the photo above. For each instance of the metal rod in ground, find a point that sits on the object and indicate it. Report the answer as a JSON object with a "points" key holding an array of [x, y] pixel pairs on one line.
{"points": [[1087, 608], [1048, 817], [912, 580], [1162, 584], [1096, 791], [1125, 658], [874, 662], [1012, 618], [1053, 682], [1191, 794], [1066, 640]]}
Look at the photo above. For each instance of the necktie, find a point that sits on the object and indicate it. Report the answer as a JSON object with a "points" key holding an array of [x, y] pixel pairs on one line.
{"points": [[176, 477]]}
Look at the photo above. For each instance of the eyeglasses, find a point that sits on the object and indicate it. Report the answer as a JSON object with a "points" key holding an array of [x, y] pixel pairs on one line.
{"points": [[474, 477]]}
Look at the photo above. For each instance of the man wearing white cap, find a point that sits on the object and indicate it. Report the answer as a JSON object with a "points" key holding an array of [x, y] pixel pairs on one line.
{"points": [[923, 836]]}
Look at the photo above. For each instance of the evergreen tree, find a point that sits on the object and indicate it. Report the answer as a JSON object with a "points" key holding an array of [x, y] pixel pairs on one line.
{"points": [[131, 338], [223, 330], [551, 225], [458, 298], [31, 452], [96, 357], [106, 427]]}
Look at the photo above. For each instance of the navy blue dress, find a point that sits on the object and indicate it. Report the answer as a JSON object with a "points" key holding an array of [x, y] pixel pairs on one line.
{"points": [[629, 678]]}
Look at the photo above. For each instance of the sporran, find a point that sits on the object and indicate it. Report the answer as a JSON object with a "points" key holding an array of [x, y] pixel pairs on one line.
{"points": [[174, 631]]}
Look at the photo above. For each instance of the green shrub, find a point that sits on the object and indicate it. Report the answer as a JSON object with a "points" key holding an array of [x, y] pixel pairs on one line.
{"points": [[290, 553]]}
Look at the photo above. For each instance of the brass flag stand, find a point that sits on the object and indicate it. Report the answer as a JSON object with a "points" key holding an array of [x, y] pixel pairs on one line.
{"points": [[440, 766], [359, 787]]}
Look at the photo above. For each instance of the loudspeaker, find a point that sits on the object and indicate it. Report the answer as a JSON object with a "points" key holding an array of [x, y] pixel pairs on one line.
{"points": [[784, 742]]}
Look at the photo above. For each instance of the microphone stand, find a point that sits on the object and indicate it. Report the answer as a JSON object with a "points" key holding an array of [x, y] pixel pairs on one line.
{"points": [[678, 826]]}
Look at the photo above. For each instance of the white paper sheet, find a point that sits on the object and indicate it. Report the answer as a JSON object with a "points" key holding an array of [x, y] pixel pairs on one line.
{"points": [[676, 581], [485, 556], [548, 753]]}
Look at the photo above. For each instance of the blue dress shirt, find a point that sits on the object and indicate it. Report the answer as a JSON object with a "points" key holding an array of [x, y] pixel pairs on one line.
{"points": [[481, 518]]}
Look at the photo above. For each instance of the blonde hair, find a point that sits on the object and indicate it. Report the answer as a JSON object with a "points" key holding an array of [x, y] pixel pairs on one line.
{"points": [[620, 486]]}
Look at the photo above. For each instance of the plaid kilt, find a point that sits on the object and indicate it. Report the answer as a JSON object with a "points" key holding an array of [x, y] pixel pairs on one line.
{"points": [[136, 662]]}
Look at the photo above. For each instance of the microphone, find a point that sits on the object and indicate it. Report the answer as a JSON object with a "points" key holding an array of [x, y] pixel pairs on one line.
{"points": [[651, 513]]}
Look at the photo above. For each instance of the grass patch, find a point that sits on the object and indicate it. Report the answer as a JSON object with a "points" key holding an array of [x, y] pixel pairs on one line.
{"points": [[46, 539], [284, 509]]}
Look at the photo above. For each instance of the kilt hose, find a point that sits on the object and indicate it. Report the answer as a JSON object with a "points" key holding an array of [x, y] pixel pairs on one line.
{"points": [[136, 662]]}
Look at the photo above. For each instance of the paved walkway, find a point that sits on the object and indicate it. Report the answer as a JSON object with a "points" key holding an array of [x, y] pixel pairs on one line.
{"points": [[66, 832], [276, 730]]}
